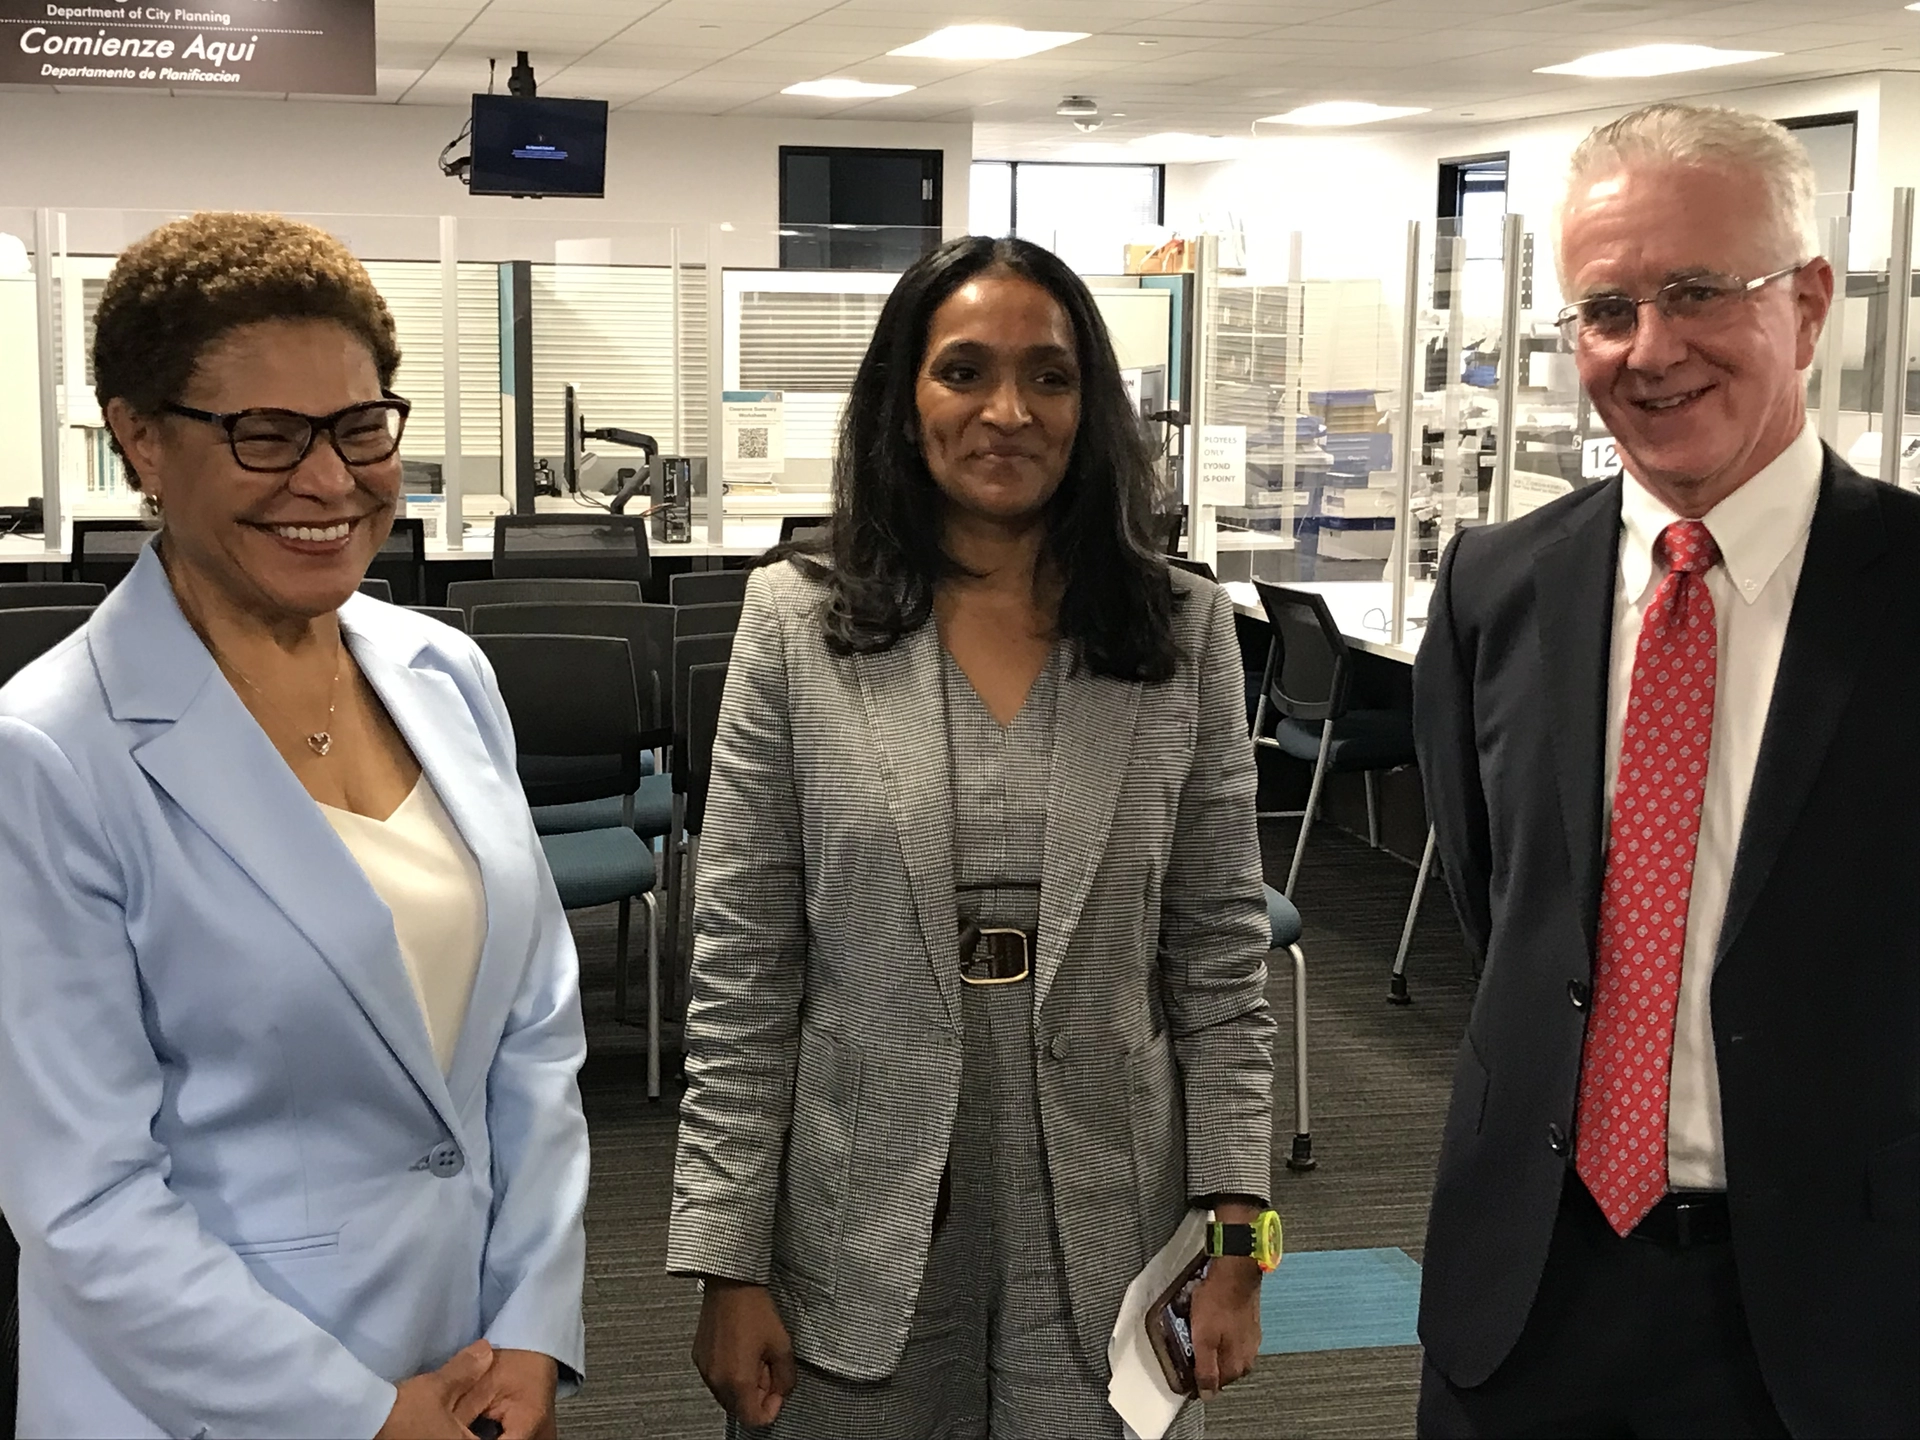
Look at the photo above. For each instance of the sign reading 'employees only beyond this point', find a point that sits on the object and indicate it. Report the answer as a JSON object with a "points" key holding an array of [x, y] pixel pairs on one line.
{"points": [[276, 47]]}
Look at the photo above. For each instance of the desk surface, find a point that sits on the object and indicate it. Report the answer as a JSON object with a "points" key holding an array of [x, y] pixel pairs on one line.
{"points": [[1361, 608]]}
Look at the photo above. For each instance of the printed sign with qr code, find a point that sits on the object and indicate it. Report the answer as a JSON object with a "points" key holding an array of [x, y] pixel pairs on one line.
{"points": [[753, 442], [753, 433]]}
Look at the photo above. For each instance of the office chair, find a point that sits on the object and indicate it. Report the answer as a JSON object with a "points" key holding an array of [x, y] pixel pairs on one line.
{"points": [[571, 546], [34, 594], [1397, 992], [445, 614], [26, 635], [798, 526], [572, 699], [401, 561], [648, 631], [708, 587], [1309, 668], [690, 652], [466, 595], [717, 619], [105, 551], [1193, 567], [378, 589], [1284, 927]]}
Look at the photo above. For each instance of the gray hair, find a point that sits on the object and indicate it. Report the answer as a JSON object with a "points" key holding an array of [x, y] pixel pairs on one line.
{"points": [[1716, 136]]}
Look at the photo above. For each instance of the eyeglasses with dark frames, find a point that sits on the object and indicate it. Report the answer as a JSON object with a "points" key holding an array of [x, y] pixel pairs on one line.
{"points": [[270, 441], [1694, 300]]}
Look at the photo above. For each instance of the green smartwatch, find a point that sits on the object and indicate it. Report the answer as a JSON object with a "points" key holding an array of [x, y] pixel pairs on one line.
{"points": [[1260, 1240]]}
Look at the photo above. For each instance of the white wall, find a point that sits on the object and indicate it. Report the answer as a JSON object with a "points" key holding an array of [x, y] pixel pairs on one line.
{"points": [[1352, 193], [135, 152]]}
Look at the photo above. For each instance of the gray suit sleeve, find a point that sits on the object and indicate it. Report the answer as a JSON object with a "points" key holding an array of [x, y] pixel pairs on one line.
{"points": [[1214, 937], [749, 969]]}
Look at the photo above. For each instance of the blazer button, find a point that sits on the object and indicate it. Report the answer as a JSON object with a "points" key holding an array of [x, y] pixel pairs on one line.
{"points": [[1580, 993], [1057, 1047], [1556, 1140], [445, 1160]]}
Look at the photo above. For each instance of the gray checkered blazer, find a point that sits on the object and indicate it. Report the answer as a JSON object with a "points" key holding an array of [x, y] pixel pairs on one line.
{"points": [[823, 1049]]}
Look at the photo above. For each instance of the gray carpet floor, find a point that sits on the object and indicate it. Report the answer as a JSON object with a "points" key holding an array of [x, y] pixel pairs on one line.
{"points": [[1379, 1091]]}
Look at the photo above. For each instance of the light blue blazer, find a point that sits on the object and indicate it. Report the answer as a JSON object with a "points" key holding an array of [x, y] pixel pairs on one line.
{"points": [[247, 1199]]}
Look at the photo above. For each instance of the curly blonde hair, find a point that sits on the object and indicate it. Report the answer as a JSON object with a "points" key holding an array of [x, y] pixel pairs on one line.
{"points": [[176, 291]]}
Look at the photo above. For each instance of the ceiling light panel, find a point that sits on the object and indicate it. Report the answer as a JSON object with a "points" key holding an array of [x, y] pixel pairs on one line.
{"points": [[1645, 61], [1342, 112], [987, 42], [845, 89]]}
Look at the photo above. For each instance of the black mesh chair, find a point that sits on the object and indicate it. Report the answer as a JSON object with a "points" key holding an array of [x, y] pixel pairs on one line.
{"points": [[105, 551], [378, 589], [402, 562], [690, 653], [9, 1328], [598, 546], [577, 724], [708, 587], [445, 614], [1192, 567], [466, 595], [33, 594], [795, 526], [26, 635], [648, 631], [1308, 673], [720, 619]]}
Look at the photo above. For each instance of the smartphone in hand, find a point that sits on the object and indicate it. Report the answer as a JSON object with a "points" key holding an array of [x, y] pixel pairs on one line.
{"points": [[1170, 1327]]}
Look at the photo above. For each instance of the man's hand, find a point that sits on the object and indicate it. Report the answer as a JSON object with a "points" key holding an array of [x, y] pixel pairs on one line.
{"points": [[1226, 1323], [743, 1351], [424, 1407], [518, 1392]]}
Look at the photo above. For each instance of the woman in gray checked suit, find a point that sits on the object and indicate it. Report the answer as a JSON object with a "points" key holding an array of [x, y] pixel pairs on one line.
{"points": [[978, 1005]]}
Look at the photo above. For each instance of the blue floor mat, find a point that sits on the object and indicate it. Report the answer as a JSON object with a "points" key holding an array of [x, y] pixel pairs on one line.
{"points": [[1340, 1300]]}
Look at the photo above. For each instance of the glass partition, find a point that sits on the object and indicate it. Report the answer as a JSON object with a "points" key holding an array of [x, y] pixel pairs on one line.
{"points": [[20, 471]]}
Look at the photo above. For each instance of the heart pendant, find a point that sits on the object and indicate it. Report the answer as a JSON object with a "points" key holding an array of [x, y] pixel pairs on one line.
{"points": [[320, 742]]}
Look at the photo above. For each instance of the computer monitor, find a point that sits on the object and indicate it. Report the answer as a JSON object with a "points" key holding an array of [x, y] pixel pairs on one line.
{"points": [[530, 146]]}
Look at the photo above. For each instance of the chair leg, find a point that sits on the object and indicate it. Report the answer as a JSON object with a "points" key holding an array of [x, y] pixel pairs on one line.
{"points": [[653, 995], [1302, 1156], [1313, 806], [673, 840], [1397, 984], [1373, 809], [620, 963]]}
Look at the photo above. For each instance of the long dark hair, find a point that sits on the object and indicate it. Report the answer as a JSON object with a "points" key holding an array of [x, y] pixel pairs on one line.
{"points": [[884, 553]]}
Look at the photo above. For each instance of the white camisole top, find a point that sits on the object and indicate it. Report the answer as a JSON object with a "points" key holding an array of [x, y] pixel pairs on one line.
{"points": [[420, 866]]}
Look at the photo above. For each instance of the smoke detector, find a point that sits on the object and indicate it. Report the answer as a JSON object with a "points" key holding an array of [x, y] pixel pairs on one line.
{"points": [[1077, 107]]}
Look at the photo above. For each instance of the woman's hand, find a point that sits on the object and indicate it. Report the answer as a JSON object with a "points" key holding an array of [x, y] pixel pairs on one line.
{"points": [[1226, 1323], [517, 1391], [424, 1408], [743, 1351]]}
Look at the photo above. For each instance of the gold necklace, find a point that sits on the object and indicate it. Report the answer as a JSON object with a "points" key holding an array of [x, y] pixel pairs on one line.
{"points": [[319, 741]]}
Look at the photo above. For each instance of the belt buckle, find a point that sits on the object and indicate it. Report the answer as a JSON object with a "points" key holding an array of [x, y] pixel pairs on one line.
{"points": [[1026, 959]]}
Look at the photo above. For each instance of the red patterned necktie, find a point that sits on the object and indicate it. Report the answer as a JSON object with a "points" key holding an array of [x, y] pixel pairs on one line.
{"points": [[1655, 829]]}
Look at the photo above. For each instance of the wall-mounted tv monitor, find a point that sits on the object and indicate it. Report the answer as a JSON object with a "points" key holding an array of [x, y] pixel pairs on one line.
{"points": [[535, 146]]}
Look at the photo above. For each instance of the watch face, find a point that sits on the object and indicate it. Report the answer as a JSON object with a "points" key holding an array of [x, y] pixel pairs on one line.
{"points": [[1266, 1241]]}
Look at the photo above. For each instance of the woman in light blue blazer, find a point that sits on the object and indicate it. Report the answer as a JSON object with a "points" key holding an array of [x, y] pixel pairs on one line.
{"points": [[289, 1012]]}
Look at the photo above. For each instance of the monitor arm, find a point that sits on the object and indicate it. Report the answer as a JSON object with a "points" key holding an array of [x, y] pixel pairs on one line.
{"points": [[633, 440]]}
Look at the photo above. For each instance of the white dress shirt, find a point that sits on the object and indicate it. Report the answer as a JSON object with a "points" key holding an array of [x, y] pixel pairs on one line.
{"points": [[1761, 530], [417, 862]]}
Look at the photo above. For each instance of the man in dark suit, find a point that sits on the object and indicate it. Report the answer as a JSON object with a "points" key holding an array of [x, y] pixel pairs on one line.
{"points": [[1667, 728]]}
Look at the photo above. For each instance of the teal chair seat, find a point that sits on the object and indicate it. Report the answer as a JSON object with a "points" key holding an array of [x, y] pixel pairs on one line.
{"points": [[1282, 919], [1362, 740], [598, 867], [652, 812]]}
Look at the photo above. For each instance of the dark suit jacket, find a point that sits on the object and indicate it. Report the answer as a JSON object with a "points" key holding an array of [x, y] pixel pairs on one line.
{"points": [[1816, 989]]}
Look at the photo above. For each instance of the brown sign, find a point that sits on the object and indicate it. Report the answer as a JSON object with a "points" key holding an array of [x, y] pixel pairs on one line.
{"points": [[306, 47]]}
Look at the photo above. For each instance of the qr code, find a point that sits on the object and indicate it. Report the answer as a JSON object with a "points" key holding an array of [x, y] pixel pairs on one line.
{"points": [[753, 442]]}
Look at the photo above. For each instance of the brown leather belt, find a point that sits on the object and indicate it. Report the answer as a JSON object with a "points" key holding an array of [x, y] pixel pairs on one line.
{"points": [[995, 955]]}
